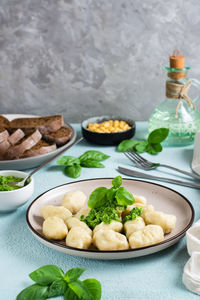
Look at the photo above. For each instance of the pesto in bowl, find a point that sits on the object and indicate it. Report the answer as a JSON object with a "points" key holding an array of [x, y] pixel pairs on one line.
{"points": [[4, 180]]}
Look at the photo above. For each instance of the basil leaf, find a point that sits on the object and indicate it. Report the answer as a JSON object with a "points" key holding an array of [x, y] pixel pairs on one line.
{"points": [[73, 171], [97, 197], [157, 147], [94, 288], [57, 288], [46, 274], [141, 146], [80, 290], [151, 150], [158, 135], [68, 160], [35, 291], [91, 163], [117, 181], [110, 194], [92, 154], [73, 274], [123, 197], [126, 145], [70, 295]]}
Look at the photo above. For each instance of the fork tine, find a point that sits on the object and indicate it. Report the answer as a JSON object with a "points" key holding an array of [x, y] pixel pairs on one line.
{"points": [[138, 156], [132, 159], [139, 159], [135, 162]]}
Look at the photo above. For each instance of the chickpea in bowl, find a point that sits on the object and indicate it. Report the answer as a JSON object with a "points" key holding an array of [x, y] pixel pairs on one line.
{"points": [[108, 130], [11, 197]]}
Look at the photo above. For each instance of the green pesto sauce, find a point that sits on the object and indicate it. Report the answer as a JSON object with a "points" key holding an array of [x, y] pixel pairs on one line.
{"points": [[4, 180]]}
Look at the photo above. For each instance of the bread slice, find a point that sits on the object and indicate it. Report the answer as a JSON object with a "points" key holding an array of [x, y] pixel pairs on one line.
{"points": [[26, 143], [15, 137], [3, 148], [43, 124], [41, 147], [4, 122], [60, 137], [3, 134]]}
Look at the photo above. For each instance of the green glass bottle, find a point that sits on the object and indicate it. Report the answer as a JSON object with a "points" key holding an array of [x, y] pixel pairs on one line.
{"points": [[178, 111]]}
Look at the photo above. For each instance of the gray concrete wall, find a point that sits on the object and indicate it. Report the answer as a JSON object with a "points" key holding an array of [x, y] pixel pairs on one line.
{"points": [[92, 57]]}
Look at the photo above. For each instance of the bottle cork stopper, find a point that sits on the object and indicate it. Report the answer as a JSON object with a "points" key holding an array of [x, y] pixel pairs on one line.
{"points": [[176, 60]]}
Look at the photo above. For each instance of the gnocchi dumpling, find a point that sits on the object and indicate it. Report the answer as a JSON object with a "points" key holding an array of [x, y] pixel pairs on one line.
{"points": [[78, 238], [74, 222], [166, 221], [149, 235], [133, 225], [55, 211], [108, 240], [146, 209], [130, 207], [114, 225], [74, 201], [54, 228], [83, 212], [140, 199]]}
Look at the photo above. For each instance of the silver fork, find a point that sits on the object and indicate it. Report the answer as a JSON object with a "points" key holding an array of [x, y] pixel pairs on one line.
{"points": [[145, 164]]}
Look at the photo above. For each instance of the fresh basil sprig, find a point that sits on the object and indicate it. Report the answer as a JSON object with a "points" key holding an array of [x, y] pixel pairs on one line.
{"points": [[152, 145], [89, 159], [51, 281], [100, 196]]}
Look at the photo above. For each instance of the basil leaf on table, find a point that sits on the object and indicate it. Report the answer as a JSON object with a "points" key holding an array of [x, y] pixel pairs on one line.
{"points": [[73, 274], [57, 288], [35, 292], [117, 181], [70, 295], [124, 197], [93, 154], [46, 274], [80, 290], [157, 136], [126, 145], [91, 163], [94, 288], [97, 197], [68, 160], [141, 146], [73, 171]]}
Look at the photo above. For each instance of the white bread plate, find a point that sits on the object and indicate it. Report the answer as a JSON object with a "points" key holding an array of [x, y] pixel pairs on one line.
{"points": [[31, 162]]}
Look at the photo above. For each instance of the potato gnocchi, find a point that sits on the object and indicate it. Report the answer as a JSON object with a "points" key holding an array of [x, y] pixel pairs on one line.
{"points": [[67, 221]]}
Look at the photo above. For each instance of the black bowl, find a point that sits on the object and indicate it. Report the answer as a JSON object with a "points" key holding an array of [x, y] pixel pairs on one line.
{"points": [[107, 138]]}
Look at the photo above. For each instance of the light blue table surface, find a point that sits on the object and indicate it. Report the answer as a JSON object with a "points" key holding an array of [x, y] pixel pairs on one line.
{"points": [[156, 276]]}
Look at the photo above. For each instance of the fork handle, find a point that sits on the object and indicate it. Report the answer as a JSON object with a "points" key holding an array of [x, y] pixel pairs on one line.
{"points": [[180, 171]]}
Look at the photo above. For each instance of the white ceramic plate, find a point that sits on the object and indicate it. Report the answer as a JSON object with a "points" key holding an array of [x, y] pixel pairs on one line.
{"points": [[162, 198], [31, 162]]}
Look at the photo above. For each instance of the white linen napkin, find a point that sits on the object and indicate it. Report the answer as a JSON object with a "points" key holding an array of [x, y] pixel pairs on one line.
{"points": [[196, 156], [191, 272]]}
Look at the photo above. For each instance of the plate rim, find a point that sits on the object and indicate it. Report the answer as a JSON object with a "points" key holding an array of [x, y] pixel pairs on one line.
{"points": [[180, 234], [24, 160]]}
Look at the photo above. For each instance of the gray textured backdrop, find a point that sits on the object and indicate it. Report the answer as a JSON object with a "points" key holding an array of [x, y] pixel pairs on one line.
{"points": [[92, 57]]}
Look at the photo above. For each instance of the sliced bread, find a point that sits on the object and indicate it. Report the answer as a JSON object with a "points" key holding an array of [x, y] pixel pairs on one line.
{"points": [[26, 143], [3, 134], [4, 122], [3, 148], [15, 137], [41, 147], [60, 137], [44, 124]]}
